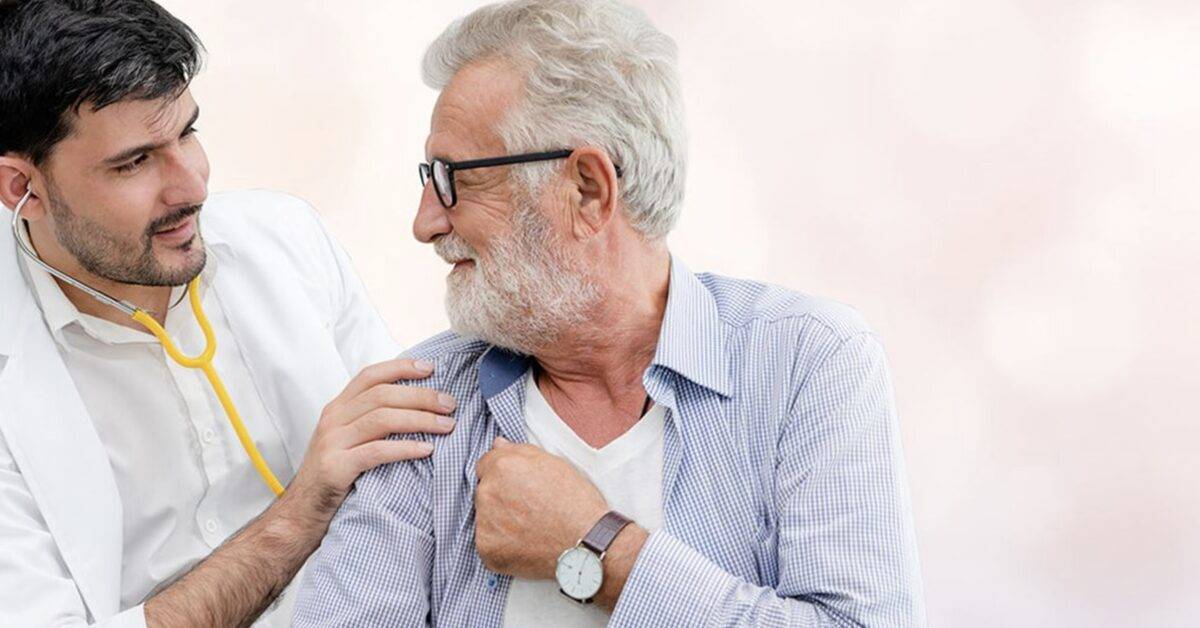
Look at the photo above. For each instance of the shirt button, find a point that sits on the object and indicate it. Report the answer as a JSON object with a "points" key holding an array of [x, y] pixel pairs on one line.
{"points": [[491, 582], [209, 435], [211, 525]]}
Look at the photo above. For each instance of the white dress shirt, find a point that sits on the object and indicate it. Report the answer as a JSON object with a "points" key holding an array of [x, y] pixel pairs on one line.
{"points": [[186, 484], [628, 472]]}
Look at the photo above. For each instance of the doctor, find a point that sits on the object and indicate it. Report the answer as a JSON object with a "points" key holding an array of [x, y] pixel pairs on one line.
{"points": [[125, 497]]}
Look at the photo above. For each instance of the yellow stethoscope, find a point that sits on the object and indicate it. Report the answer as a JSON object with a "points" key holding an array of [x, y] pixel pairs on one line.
{"points": [[204, 361]]}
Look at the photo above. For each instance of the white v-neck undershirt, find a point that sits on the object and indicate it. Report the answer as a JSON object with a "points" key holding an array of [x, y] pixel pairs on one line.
{"points": [[628, 472]]}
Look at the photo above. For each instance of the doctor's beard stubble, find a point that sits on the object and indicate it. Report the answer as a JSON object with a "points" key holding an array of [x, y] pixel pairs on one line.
{"points": [[112, 257]]}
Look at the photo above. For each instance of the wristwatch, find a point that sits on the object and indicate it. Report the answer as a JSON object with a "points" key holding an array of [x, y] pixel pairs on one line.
{"points": [[580, 570]]}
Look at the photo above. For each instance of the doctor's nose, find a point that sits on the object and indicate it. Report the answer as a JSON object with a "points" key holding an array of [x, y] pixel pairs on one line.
{"points": [[432, 219], [186, 182]]}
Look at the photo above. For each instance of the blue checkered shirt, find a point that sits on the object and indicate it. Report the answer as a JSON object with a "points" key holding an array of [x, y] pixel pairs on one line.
{"points": [[784, 494]]}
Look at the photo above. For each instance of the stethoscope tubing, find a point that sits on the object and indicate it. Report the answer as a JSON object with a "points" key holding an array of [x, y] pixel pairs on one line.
{"points": [[124, 306], [203, 362]]}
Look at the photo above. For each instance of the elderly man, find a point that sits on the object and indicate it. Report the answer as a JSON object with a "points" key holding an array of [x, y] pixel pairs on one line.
{"points": [[637, 444]]}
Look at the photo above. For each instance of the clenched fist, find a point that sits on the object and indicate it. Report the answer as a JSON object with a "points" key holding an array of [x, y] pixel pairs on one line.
{"points": [[530, 506]]}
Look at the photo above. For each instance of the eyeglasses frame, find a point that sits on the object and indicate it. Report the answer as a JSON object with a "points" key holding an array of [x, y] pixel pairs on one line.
{"points": [[425, 170]]}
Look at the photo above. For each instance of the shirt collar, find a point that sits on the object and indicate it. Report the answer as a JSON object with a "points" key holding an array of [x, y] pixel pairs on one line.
{"points": [[213, 235], [498, 369], [690, 341], [56, 308]]}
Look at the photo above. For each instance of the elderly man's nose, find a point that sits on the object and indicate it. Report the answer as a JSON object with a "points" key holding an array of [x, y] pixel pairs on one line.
{"points": [[432, 219]]}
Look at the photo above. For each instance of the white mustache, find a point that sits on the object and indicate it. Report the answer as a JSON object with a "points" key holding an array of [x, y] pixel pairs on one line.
{"points": [[452, 249]]}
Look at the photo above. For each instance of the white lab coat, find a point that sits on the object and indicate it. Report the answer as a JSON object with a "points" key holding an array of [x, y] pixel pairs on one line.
{"points": [[299, 315]]}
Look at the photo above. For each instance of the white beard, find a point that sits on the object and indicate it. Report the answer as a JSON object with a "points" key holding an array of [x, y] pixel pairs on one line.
{"points": [[526, 294]]}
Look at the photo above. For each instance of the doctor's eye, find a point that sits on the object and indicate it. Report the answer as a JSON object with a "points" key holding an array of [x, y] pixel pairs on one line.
{"points": [[131, 166]]}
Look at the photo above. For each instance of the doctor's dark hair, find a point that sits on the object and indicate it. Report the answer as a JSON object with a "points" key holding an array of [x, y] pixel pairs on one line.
{"points": [[57, 56]]}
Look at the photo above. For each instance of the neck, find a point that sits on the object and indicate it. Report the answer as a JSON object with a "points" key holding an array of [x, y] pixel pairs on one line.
{"points": [[152, 299], [593, 379]]}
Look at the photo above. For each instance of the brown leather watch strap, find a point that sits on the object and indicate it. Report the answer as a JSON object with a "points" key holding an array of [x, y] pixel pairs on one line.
{"points": [[606, 529]]}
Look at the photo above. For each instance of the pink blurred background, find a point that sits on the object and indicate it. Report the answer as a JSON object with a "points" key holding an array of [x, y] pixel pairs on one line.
{"points": [[1002, 187]]}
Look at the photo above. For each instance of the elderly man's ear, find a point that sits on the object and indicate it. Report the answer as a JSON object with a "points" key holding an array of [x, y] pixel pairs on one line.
{"points": [[595, 191]]}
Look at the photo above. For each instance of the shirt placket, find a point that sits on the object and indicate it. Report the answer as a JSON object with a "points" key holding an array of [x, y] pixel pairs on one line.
{"points": [[193, 388]]}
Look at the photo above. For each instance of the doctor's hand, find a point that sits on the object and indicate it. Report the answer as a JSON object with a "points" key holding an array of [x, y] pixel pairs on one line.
{"points": [[233, 585], [352, 434]]}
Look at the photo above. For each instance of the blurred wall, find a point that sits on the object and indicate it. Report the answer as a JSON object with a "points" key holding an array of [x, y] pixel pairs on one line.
{"points": [[1002, 187]]}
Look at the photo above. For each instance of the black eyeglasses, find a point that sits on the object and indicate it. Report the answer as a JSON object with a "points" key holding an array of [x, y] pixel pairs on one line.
{"points": [[442, 171]]}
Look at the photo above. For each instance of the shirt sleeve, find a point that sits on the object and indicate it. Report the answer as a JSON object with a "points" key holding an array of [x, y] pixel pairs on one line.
{"points": [[374, 566], [362, 336], [846, 551]]}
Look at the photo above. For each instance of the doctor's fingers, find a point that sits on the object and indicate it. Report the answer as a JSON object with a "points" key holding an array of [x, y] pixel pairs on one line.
{"points": [[380, 423], [385, 372], [370, 455], [392, 396]]}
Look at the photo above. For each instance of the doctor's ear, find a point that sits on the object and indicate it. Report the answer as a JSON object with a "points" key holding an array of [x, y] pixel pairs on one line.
{"points": [[15, 182]]}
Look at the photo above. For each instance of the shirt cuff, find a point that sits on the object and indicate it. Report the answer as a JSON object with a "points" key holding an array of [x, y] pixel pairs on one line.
{"points": [[671, 584]]}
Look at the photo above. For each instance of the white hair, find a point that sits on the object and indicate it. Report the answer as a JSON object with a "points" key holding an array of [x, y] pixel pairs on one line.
{"points": [[596, 72]]}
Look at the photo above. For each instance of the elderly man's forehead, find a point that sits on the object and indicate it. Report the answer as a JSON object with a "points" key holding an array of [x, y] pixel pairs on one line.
{"points": [[471, 107]]}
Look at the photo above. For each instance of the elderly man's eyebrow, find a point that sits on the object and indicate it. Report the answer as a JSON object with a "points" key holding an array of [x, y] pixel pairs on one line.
{"points": [[431, 153], [444, 156]]}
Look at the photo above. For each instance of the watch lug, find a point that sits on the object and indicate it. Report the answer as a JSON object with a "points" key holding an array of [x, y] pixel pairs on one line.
{"points": [[575, 599]]}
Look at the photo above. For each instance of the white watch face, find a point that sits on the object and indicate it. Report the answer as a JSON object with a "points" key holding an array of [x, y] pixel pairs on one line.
{"points": [[579, 573]]}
